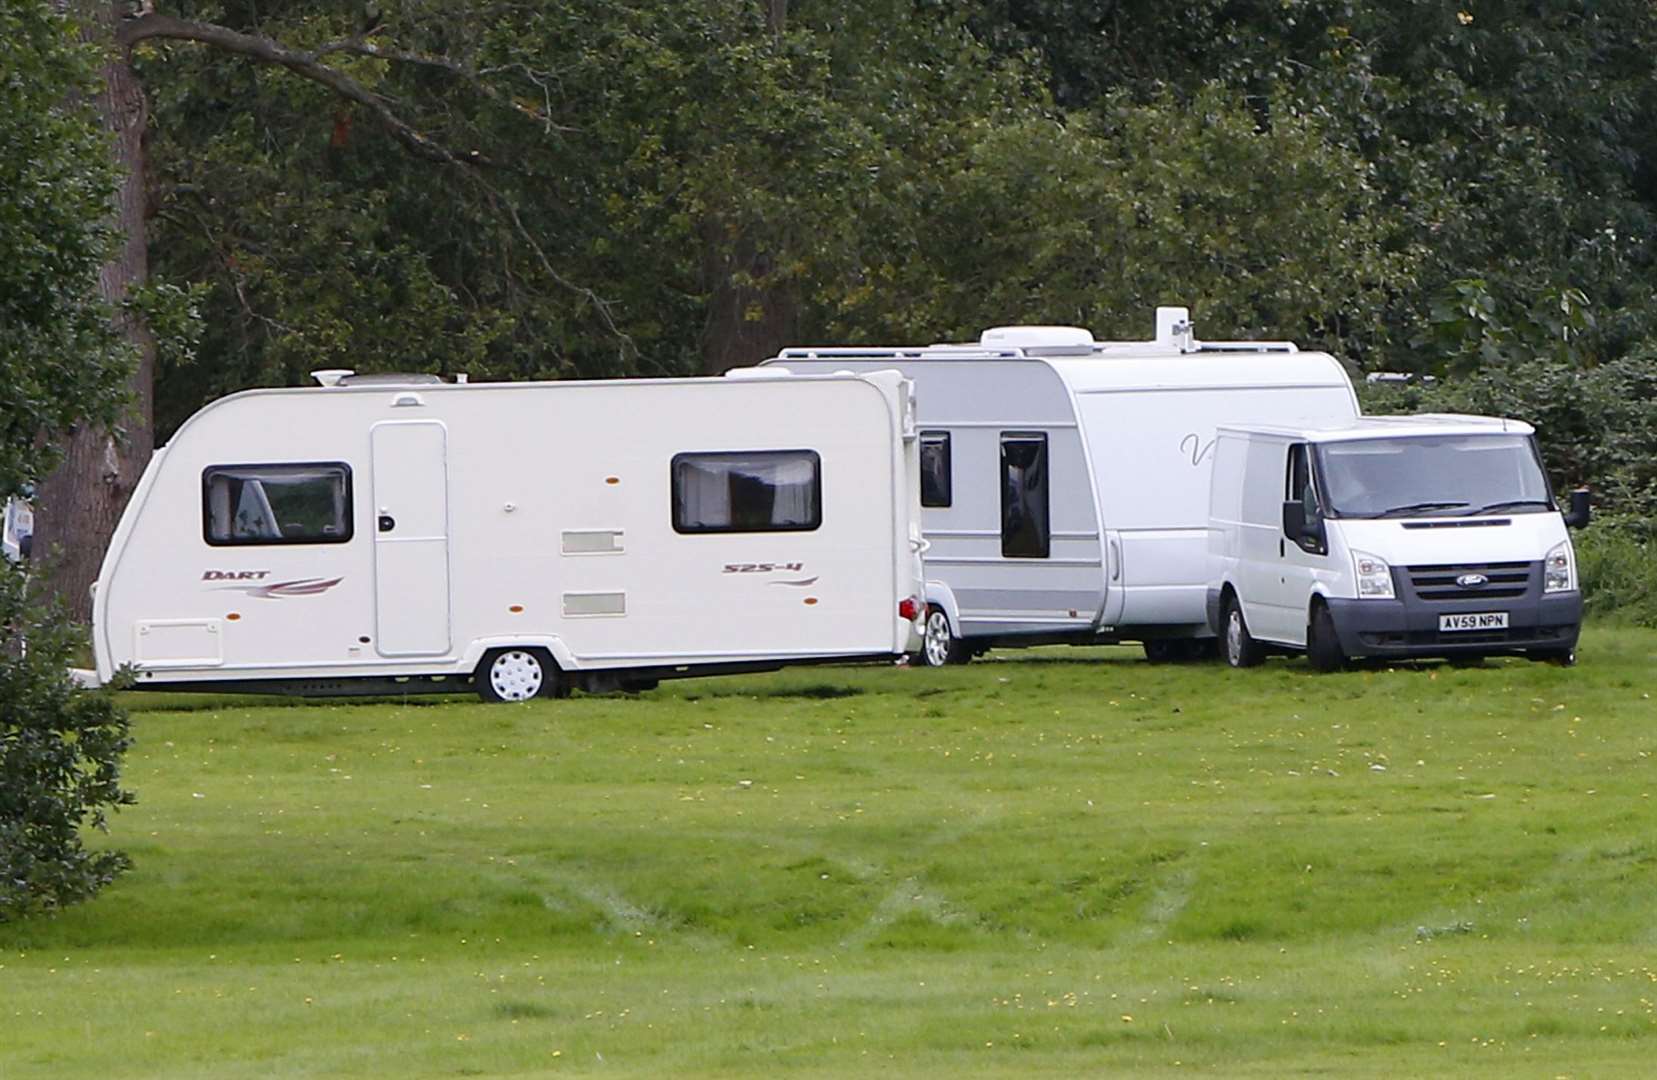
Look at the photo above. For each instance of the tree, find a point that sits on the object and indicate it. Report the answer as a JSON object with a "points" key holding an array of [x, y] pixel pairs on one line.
{"points": [[59, 361], [1264, 233], [60, 364]]}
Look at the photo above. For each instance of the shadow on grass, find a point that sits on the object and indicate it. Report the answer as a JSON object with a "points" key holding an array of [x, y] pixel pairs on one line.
{"points": [[818, 691]]}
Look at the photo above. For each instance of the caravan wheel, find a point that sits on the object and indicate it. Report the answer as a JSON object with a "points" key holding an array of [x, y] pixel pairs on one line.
{"points": [[940, 645], [516, 675]]}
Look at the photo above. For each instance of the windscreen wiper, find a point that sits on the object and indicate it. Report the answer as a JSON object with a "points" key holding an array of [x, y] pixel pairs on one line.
{"points": [[1512, 504], [1416, 508]]}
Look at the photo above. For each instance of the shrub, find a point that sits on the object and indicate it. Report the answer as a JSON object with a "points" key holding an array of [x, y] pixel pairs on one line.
{"points": [[60, 753], [1617, 560], [1597, 426]]}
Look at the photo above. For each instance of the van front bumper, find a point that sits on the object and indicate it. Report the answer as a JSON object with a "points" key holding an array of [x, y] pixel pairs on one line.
{"points": [[1408, 627]]}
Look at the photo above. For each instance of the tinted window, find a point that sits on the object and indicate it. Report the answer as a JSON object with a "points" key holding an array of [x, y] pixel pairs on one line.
{"points": [[308, 503], [750, 491], [936, 480], [1024, 529]]}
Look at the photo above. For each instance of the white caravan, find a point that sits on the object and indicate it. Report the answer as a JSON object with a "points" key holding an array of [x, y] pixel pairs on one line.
{"points": [[381, 534], [1391, 537], [1065, 480]]}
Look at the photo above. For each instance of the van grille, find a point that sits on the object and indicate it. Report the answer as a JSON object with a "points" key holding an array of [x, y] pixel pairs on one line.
{"points": [[1506, 580]]}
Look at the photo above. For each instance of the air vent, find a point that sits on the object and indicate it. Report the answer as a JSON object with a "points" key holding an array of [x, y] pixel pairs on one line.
{"points": [[595, 603], [592, 541]]}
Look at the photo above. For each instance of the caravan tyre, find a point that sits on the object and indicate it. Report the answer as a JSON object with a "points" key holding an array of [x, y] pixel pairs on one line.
{"points": [[1241, 650], [940, 645], [1161, 650], [516, 675]]}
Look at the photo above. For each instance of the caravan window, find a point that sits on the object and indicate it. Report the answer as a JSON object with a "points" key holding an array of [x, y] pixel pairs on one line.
{"points": [[307, 503], [1024, 521], [936, 479], [750, 491]]}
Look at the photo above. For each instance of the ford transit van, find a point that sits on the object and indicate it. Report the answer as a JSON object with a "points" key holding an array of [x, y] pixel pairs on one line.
{"points": [[1391, 537]]}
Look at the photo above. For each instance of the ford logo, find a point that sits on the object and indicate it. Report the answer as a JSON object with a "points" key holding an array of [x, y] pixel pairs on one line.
{"points": [[1472, 581]]}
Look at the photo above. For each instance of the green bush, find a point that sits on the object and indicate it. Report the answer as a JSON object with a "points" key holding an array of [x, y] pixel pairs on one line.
{"points": [[60, 753], [1596, 425], [1617, 561]]}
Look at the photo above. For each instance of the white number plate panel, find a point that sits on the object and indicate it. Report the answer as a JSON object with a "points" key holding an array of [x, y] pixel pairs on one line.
{"points": [[1473, 620]]}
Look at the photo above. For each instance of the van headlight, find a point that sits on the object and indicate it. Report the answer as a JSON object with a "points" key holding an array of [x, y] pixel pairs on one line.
{"points": [[1559, 569], [1374, 576]]}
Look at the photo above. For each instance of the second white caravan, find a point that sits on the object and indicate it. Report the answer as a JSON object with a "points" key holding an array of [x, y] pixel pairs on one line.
{"points": [[383, 535], [1065, 480]]}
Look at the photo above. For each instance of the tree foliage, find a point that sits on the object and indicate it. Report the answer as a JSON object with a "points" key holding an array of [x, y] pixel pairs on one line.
{"points": [[60, 754], [59, 362]]}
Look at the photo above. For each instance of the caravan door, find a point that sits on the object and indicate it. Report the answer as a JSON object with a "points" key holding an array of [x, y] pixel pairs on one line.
{"points": [[411, 537]]}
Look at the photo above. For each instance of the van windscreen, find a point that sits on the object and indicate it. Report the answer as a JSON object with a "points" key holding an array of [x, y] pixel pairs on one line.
{"points": [[1445, 475]]}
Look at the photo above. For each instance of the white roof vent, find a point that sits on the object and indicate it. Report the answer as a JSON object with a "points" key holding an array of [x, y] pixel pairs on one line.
{"points": [[331, 376], [1046, 339]]}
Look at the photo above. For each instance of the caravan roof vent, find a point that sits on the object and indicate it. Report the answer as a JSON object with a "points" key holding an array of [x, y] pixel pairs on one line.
{"points": [[391, 378], [1045, 340], [331, 376]]}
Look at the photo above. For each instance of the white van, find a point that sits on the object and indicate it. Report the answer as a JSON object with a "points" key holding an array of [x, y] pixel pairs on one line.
{"points": [[1391, 537], [381, 534], [1065, 480]]}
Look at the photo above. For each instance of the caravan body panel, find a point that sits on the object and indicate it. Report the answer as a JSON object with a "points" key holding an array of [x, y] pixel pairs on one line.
{"points": [[382, 531], [1130, 430]]}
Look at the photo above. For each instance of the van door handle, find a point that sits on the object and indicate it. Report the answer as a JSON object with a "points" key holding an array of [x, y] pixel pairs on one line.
{"points": [[1115, 561], [387, 523]]}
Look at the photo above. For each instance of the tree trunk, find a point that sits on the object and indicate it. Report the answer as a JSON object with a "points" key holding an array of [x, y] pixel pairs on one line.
{"points": [[81, 502], [749, 317]]}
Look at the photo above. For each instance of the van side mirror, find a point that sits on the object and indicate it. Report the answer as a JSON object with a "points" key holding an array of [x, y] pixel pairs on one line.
{"points": [[1294, 520], [1306, 530], [1580, 512]]}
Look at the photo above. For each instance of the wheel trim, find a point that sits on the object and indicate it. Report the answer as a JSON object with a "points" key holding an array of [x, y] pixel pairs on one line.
{"points": [[516, 676], [1234, 636], [937, 639]]}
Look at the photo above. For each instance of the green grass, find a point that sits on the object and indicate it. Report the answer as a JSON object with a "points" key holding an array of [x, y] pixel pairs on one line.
{"points": [[1055, 862]]}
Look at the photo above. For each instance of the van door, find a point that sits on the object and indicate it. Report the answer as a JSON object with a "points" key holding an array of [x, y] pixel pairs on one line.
{"points": [[1298, 566], [411, 538]]}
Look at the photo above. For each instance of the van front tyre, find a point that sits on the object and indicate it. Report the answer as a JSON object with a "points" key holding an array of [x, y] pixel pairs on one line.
{"points": [[515, 674], [1323, 645], [940, 646], [1241, 650]]}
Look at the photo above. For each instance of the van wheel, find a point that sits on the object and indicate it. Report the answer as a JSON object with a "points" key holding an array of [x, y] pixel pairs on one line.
{"points": [[940, 645], [1241, 650], [1323, 645], [517, 675]]}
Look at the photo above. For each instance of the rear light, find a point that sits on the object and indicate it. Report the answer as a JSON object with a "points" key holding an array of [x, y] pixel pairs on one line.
{"points": [[909, 609]]}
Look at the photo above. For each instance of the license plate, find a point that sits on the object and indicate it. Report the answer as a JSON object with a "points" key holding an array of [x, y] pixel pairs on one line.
{"points": [[1473, 620]]}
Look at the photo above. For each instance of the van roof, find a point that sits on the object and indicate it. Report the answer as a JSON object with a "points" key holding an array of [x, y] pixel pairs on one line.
{"points": [[1382, 427]]}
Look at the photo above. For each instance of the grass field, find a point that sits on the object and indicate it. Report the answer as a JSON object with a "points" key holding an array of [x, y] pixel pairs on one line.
{"points": [[1062, 861]]}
